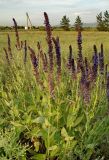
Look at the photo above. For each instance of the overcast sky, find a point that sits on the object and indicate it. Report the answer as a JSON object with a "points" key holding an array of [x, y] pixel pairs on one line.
{"points": [[87, 9]]}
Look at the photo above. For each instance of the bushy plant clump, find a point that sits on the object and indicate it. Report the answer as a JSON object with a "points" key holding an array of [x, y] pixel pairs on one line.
{"points": [[53, 107]]}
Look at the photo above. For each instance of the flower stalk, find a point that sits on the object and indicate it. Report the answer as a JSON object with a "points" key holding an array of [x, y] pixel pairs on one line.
{"points": [[9, 47], [19, 44], [50, 53], [58, 57]]}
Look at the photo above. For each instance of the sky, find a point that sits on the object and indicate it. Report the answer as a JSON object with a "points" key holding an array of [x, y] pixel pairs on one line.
{"points": [[87, 9]]}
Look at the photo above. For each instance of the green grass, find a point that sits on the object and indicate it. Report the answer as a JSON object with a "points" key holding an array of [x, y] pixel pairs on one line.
{"points": [[66, 38], [36, 126]]}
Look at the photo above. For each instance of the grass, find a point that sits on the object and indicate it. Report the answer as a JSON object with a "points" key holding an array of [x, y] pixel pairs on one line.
{"points": [[66, 38], [36, 126]]}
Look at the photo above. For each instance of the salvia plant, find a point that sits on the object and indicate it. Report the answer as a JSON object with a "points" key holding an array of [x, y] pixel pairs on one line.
{"points": [[53, 107]]}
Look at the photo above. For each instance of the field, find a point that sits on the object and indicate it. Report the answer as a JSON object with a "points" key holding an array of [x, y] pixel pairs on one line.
{"points": [[66, 38], [53, 110]]}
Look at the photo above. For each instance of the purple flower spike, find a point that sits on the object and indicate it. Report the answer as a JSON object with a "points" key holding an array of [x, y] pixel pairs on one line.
{"points": [[25, 51], [101, 60], [70, 57], [107, 86], [41, 56], [79, 40], [18, 43], [80, 56], [33, 58], [49, 41], [34, 61], [86, 66], [106, 66], [9, 47], [58, 57], [83, 75], [95, 63], [50, 52], [6, 54], [73, 68]]}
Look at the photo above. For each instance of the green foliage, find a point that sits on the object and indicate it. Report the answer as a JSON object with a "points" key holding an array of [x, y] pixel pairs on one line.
{"points": [[35, 126], [78, 23], [4, 28], [10, 148], [106, 20], [41, 28], [65, 23], [103, 21]]}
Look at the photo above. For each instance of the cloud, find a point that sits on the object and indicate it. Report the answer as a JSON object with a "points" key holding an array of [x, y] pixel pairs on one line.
{"points": [[82, 13], [10, 1], [41, 2], [55, 8]]}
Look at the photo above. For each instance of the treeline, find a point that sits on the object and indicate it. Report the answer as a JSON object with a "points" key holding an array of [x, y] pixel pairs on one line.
{"points": [[102, 24], [12, 28]]}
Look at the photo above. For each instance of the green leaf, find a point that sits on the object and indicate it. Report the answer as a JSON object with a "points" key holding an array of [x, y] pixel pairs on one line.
{"points": [[39, 120], [23, 158], [39, 157], [78, 121], [53, 150], [16, 124], [70, 120], [73, 143], [65, 135], [46, 124], [64, 132], [36, 145]]}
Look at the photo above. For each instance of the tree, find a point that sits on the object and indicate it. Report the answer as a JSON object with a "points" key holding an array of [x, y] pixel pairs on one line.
{"points": [[103, 21], [65, 23], [100, 22], [78, 23], [106, 20]]}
